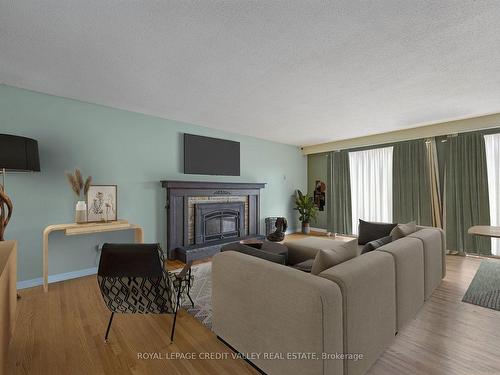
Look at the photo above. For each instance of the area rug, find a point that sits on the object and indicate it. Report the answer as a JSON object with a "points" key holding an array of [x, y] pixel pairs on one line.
{"points": [[484, 290], [201, 293]]}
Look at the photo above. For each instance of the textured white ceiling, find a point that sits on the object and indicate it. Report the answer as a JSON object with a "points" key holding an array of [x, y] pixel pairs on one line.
{"points": [[298, 72]]}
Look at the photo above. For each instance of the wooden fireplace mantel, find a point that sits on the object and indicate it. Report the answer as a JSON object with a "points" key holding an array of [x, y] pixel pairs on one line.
{"points": [[178, 194], [211, 185]]}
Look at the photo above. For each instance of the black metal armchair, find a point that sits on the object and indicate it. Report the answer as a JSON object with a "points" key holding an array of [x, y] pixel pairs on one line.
{"points": [[132, 279]]}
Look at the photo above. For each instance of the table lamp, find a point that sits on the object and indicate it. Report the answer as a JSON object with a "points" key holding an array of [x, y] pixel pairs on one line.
{"points": [[17, 154]]}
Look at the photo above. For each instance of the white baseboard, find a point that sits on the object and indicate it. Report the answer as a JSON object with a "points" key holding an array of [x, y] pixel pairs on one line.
{"points": [[56, 278]]}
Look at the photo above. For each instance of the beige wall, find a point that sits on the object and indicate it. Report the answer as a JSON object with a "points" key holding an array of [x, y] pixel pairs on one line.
{"points": [[443, 128]]}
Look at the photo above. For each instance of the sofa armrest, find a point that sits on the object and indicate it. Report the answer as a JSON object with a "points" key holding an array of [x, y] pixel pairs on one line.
{"points": [[264, 307], [249, 250]]}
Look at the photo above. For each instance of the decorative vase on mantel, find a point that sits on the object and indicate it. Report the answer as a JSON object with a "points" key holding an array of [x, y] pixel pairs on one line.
{"points": [[81, 212]]}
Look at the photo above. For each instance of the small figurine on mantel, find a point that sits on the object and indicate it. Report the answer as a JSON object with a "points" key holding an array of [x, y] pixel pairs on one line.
{"points": [[279, 234]]}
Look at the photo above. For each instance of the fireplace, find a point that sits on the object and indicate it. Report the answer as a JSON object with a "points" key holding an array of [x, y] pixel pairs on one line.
{"points": [[203, 216], [218, 221]]}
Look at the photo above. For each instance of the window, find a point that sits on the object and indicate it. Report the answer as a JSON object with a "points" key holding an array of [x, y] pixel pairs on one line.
{"points": [[492, 144], [371, 185]]}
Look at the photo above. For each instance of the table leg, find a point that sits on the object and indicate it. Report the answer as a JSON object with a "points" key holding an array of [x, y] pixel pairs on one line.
{"points": [[139, 235], [45, 262]]}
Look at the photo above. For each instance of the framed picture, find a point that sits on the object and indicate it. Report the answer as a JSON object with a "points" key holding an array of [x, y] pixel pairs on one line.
{"points": [[101, 203]]}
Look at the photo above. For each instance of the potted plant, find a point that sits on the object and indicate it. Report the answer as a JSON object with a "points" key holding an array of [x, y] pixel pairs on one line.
{"points": [[307, 210]]}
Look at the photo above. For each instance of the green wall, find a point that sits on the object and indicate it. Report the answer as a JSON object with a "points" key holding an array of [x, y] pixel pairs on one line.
{"points": [[129, 149], [317, 165]]}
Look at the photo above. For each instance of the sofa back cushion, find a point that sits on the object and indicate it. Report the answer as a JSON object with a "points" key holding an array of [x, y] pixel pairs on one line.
{"points": [[368, 231], [403, 230], [326, 258]]}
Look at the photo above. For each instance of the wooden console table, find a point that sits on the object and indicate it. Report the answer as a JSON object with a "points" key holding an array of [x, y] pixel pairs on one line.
{"points": [[8, 300], [89, 228]]}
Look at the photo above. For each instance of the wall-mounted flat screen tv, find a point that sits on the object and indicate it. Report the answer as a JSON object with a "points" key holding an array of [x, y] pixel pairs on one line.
{"points": [[211, 156]]}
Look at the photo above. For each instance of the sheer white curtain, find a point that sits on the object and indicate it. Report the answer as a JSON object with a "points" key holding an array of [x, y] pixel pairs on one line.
{"points": [[371, 185], [492, 143]]}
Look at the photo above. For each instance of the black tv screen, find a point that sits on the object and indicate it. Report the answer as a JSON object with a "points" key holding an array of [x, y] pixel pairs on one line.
{"points": [[211, 156]]}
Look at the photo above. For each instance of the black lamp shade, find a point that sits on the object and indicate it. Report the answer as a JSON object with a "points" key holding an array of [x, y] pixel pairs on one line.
{"points": [[18, 154]]}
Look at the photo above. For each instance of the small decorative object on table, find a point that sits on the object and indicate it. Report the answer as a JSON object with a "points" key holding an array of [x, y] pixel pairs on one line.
{"points": [[304, 203], [101, 203], [79, 186], [279, 234]]}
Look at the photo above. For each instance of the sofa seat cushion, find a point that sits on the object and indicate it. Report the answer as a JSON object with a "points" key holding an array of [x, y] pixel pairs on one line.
{"points": [[307, 248], [369, 231], [403, 230]]}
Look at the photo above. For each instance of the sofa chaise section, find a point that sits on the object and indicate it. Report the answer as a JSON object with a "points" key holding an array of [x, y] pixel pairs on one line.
{"points": [[263, 307]]}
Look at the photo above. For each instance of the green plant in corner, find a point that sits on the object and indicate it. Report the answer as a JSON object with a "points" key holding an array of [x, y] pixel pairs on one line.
{"points": [[304, 203]]}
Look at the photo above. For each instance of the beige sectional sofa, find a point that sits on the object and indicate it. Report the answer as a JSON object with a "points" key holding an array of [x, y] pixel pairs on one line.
{"points": [[336, 323]]}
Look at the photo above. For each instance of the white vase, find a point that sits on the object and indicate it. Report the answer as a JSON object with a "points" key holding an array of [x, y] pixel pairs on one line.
{"points": [[81, 212]]}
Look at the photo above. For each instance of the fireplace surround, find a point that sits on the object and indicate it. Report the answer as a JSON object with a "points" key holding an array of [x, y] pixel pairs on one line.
{"points": [[203, 216]]}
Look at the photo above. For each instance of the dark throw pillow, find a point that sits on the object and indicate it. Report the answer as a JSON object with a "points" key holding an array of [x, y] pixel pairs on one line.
{"points": [[372, 245], [369, 231], [305, 266]]}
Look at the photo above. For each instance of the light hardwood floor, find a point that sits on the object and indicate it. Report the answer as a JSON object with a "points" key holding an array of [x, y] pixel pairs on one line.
{"points": [[61, 332]]}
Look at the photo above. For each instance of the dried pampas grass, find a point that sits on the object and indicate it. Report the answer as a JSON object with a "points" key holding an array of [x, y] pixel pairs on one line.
{"points": [[79, 178], [86, 187], [76, 182], [73, 183]]}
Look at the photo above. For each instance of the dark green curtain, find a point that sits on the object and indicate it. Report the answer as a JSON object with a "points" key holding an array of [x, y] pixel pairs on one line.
{"points": [[339, 193], [411, 183], [466, 193]]}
